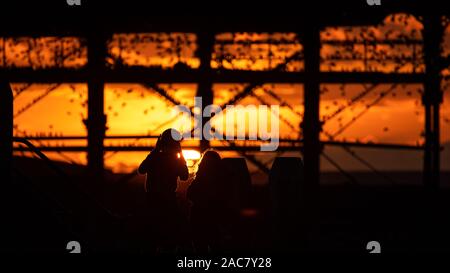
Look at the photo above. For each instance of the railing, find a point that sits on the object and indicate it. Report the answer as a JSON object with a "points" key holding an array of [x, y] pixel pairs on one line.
{"points": [[65, 176], [250, 145], [41, 155]]}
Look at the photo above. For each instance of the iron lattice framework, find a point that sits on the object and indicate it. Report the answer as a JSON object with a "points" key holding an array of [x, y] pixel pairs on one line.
{"points": [[97, 54]]}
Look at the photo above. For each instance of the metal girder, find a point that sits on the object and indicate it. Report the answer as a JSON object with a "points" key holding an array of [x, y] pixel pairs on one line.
{"points": [[6, 131], [37, 18], [153, 75], [294, 145]]}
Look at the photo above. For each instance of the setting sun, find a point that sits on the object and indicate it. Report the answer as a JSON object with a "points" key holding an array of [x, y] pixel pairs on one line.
{"points": [[191, 154]]}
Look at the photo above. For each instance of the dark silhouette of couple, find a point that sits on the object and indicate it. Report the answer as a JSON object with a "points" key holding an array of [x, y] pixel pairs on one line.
{"points": [[163, 167]]}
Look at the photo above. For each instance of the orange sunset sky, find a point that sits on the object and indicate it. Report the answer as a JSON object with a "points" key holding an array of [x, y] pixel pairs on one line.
{"points": [[133, 109]]}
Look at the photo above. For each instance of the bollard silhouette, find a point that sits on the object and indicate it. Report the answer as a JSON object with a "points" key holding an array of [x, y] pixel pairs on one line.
{"points": [[238, 193], [286, 181], [239, 181]]}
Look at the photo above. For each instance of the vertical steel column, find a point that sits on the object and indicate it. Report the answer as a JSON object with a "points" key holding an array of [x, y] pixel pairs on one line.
{"points": [[311, 122], [205, 43], [96, 121], [432, 36], [6, 130]]}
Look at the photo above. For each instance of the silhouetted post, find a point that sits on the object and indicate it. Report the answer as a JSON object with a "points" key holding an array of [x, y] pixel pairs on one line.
{"points": [[432, 36], [311, 123], [238, 196], [239, 181], [96, 121], [286, 182], [205, 43], [6, 130]]}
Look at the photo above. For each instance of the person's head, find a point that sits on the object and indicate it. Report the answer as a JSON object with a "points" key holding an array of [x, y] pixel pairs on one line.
{"points": [[209, 164], [170, 140]]}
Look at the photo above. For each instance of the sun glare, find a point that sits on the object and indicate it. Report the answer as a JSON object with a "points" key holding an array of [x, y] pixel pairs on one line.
{"points": [[191, 154]]}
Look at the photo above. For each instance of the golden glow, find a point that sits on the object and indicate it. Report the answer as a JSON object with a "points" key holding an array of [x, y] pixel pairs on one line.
{"points": [[397, 119], [133, 109], [191, 157], [191, 154]]}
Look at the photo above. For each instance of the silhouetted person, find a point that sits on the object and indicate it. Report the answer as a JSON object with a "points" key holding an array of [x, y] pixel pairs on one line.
{"points": [[163, 166], [207, 195]]}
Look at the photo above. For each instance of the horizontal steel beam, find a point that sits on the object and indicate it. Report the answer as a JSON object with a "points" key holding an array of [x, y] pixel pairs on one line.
{"points": [[39, 18], [143, 148], [294, 146], [336, 42], [156, 75], [68, 137], [373, 145]]}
